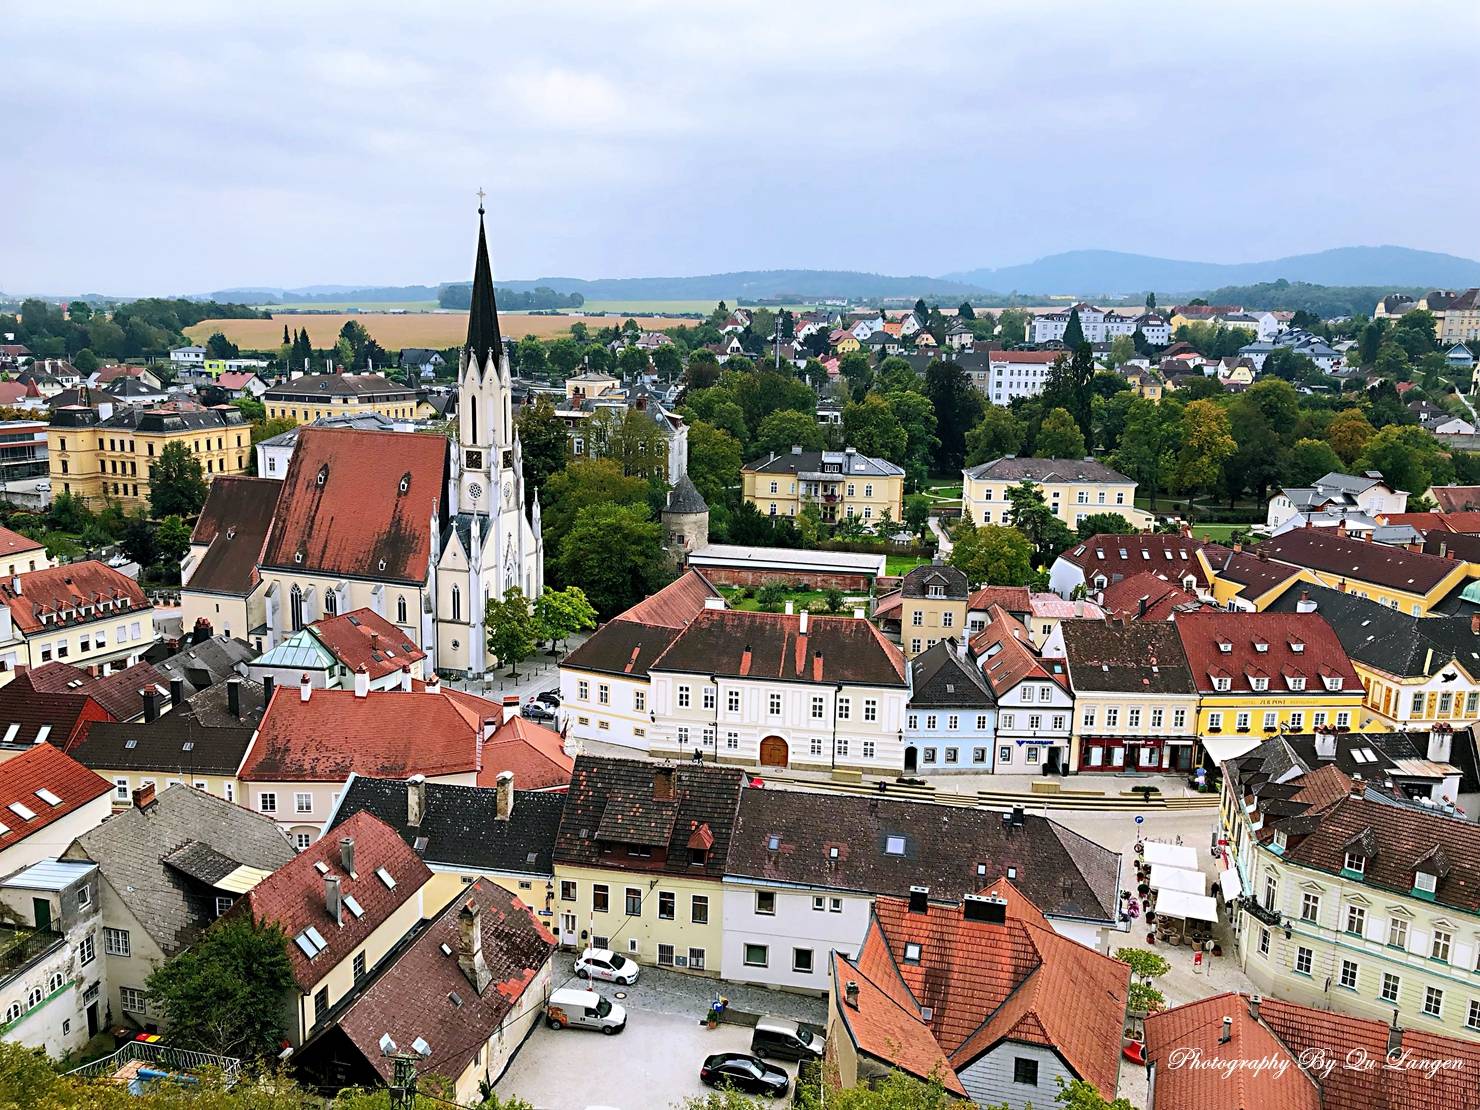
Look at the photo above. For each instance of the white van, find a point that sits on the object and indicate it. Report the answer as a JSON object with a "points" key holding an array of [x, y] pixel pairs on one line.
{"points": [[570, 1008]]}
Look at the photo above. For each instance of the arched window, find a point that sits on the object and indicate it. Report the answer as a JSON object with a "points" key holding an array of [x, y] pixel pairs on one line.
{"points": [[33, 999], [54, 984], [401, 610], [295, 608], [472, 418], [456, 603], [12, 1012], [331, 603]]}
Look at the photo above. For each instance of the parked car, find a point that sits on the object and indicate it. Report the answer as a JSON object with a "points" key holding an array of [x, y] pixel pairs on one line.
{"points": [[783, 1039], [604, 964], [535, 711], [744, 1073], [550, 698], [570, 1008]]}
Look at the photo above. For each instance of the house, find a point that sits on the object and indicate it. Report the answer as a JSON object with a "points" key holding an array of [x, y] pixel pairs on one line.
{"points": [[1009, 375], [1099, 325], [174, 750], [331, 651], [191, 356], [421, 359], [604, 684], [1034, 702], [796, 888], [466, 833], [346, 903], [1354, 899], [220, 583], [1300, 1058], [932, 606], [1459, 357], [952, 712], [464, 994], [655, 836], [1073, 488], [47, 799], [242, 383], [19, 554], [1102, 561], [1407, 580], [1135, 700], [203, 661], [126, 694], [274, 454], [29, 717], [780, 690], [1262, 673], [1146, 596], [838, 484], [171, 864], [981, 992], [303, 398], [1335, 495], [1455, 499], [594, 402], [1417, 672], [128, 390], [85, 613]]}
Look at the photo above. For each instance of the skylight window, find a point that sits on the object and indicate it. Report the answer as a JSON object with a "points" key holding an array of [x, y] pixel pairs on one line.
{"points": [[911, 953], [321, 867], [22, 812], [773, 843], [48, 797], [385, 876], [10, 734], [353, 906], [4, 829], [130, 743], [894, 845], [310, 942], [446, 951]]}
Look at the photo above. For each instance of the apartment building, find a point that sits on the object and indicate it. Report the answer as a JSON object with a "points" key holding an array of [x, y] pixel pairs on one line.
{"points": [[838, 484], [86, 614], [932, 607], [1073, 488], [307, 397], [952, 719], [1035, 704]]}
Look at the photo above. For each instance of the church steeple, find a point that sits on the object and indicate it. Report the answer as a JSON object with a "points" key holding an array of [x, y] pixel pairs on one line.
{"points": [[484, 340]]}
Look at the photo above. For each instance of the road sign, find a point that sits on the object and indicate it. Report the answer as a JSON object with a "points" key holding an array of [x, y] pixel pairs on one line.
{"points": [[1140, 820]]}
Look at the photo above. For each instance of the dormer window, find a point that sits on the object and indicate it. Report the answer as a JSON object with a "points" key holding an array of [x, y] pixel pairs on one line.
{"points": [[405, 483], [1259, 683], [323, 475], [1260, 646], [1425, 883], [1222, 684], [936, 591], [1280, 841], [1296, 646], [1357, 865], [1225, 647], [1333, 682], [1297, 682]]}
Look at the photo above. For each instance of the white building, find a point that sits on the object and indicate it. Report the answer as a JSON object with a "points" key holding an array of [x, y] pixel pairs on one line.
{"points": [[1333, 496], [188, 356], [1014, 374], [1035, 707]]}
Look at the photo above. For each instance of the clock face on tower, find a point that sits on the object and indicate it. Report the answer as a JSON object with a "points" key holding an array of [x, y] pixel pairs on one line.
{"points": [[473, 460]]}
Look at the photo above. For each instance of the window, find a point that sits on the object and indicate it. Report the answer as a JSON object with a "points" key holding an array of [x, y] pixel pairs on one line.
{"points": [[1241, 722], [302, 803], [732, 740], [359, 966], [1398, 933], [634, 902], [844, 708], [870, 710], [709, 697], [1133, 718], [1271, 891], [223, 903], [567, 890], [696, 959], [116, 942], [732, 701], [699, 909], [1439, 950], [894, 845], [639, 700], [1025, 1071], [683, 697], [267, 803], [1356, 920], [665, 955], [665, 905], [1424, 883], [912, 952], [603, 694], [868, 749], [600, 898], [583, 690], [321, 1005], [302, 840], [1390, 983], [1179, 718], [1157, 717], [1473, 1021], [1004, 754], [773, 704], [1348, 977], [120, 790], [1303, 957], [757, 955], [1271, 721], [1433, 1002], [1215, 722], [930, 721], [947, 620], [1310, 907], [133, 1000], [1263, 941], [1297, 722]]}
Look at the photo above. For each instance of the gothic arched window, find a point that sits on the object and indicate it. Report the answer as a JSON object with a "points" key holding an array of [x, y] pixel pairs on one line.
{"points": [[331, 603], [295, 608], [400, 610], [456, 603]]}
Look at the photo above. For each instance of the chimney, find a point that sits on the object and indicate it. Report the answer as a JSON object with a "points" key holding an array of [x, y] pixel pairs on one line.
{"points": [[416, 800], [470, 946], [268, 682], [177, 692], [374, 640], [1141, 607], [511, 706], [1078, 609], [347, 855], [919, 899], [663, 784], [151, 704], [15, 584], [434, 685], [1305, 604], [1254, 1001], [1395, 1036], [362, 682], [1227, 1034], [1325, 746], [503, 804], [1443, 548], [1238, 548], [332, 902], [1358, 787], [1475, 624], [490, 726], [850, 994], [790, 607], [857, 613], [1341, 585], [802, 622], [144, 796], [234, 697], [406, 679], [305, 688]]}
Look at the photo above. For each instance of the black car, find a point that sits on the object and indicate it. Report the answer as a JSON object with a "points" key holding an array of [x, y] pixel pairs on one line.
{"points": [[744, 1073], [549, 697]]}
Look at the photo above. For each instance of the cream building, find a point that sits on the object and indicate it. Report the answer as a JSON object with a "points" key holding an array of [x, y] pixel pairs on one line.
{"points": [[839, 484], [86, 614], [19, 554], [1073, 488], [306, 397]]}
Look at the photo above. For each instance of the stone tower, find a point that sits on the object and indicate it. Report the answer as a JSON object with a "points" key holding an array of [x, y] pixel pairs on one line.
{"points": [[685, 518]]}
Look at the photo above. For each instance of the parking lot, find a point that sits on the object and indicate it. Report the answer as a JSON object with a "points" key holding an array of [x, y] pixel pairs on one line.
{"points": [[654, 1063]]}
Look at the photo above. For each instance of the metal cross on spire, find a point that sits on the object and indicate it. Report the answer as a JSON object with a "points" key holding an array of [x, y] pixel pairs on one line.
{"points": [[481, 195]]}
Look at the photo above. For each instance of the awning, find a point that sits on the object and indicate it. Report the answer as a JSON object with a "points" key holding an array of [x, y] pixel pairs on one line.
{"points": [[1175, 878], [1232, 885], [1171, 855], [1189, 907], [1220, 749]]}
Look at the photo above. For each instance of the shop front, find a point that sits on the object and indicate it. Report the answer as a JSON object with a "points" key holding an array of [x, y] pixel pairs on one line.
{"points": [[1147, 754]]}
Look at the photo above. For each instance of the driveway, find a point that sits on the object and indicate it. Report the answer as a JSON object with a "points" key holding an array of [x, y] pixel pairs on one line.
{"points": [[654, 1063]]}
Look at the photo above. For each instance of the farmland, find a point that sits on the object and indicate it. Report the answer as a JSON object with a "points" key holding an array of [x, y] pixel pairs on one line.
{"points": [[394, 331]]}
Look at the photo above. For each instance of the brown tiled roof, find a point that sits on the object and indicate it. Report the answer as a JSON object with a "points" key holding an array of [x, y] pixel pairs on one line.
{"points": [[771, 645], [65, 716], [60, 593], [626, 801], [1013, 599], [43, 768], [629, 642], [1136, 657], [293, 895], [1045, 471], [342, 509], [675, 604], [425, 993], [1452, 499], [120, 693], [1254, 571], [535, 754], [1172, 556], [233, 524], [1161, 598], [1007, 657], [1319, 655], [363, 638], [1381, 564]]}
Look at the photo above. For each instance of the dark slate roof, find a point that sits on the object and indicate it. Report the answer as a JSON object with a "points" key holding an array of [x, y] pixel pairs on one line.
{"points": [[850, 464], [171, 745], [624, 797], [743, 644], [211, 707], [943, 679], [460, 827], [918, 581], [201, 862], [685, 497], [321, 387], [204, 664], [233, 525], [167, 418], [1321, 549], [1010, 468], [1138, 657], [622, 647], [131, 847], [484, 341], [1386, 638], [952, 850], [1372, 756]]}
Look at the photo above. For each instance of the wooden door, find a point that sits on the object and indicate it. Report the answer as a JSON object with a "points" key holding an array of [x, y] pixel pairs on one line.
{"points": [[773, 752]]}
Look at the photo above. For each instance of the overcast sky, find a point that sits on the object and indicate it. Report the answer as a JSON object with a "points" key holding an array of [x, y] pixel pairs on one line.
{"points": [[165, 147]]}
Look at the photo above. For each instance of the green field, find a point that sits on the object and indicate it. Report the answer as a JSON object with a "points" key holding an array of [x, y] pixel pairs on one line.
{"points": [[1218, 533]]}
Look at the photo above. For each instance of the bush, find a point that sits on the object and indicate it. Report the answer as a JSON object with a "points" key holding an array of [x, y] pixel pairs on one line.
{"points": [[1145, 998], [1144, 965], [771, 596]]}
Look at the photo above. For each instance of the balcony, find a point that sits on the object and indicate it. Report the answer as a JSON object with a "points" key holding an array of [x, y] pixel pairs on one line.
{"points": [[1256, 910], [125, 1065], [20, 947]]}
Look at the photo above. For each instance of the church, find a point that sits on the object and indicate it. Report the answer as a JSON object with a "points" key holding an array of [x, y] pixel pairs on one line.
{"points": [[421, 529]]}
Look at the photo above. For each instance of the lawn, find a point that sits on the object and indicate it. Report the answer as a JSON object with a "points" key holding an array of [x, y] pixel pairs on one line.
{"points": [[895, 565], [801, 599], [1218, 533]]}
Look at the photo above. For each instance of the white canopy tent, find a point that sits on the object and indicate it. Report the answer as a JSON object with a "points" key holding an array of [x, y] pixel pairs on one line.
{"points": [[1221, 749], [1189, 907], [1171, 855], [1231, 883], [1165, 878]]}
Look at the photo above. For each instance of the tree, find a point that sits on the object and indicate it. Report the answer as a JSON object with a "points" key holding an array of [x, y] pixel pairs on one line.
{"points": [[1308, 460], [1348, 434], [226, 992], [177, 485], [714, 464], [966, 312], [667, 362], [871, 427], [582, 484], [916, 512], [1079, 1095], [1031, 516], [855, 370], [1059, 437], [1408, 458], [958, 408], [614, 552], [717, 407], [1105, 524], [1073, 331], [630, 438], [562, 355], [999, 433], [542, 437], [560, 614], [1207, 441], [85, 362], [632, 362], [992, 554], [511, 628], [218, 346], [173, 539], [1122, 350], [1150, 302], [781, 431], [138, 540], [531, 358], [916, 415]]}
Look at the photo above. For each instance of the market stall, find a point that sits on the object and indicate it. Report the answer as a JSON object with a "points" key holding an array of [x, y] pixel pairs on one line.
{"points": [[1170, 855], [1175, 878], [1183, 918]]}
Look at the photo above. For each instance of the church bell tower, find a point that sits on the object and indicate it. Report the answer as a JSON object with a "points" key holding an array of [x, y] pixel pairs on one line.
{"points": [[485, 422]]}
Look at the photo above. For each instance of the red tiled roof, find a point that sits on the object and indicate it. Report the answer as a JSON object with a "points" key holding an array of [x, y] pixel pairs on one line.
{"points": [[342, 510], [1039, 358], [1013, 599], [888, 606], [235, 379], [293, 895], [1320, 653], [363, 638], [61, 592], [43, 768], [1014, 660], [675, 604], [233, 525], [13, 543], [387, 734], [1174, 556], [120, 693], [888, 1027], [1451, 499], [1162, 598], [535, 754]]}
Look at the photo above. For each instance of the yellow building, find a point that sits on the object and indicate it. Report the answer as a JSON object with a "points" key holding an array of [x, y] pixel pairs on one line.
{"points": [[839, 484], [110, 459], [846, 343], [174, 749], [1409, 581], [1073, 488], [309, 396], [1260, 674], [1250, 581], [932, 607], [19, 554]]}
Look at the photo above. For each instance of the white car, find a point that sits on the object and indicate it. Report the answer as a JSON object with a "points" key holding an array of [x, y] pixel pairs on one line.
{"points": [[602, 963]]}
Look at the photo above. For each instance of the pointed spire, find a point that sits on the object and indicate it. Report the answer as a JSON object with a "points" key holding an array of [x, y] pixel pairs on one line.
{"points": [[483, 334]]}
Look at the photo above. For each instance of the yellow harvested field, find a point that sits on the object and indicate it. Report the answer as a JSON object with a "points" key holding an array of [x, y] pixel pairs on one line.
{"points": [[394, 331]]}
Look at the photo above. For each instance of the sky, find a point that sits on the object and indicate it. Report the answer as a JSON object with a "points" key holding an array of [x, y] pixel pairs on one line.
{"points": [[170, 148]]}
